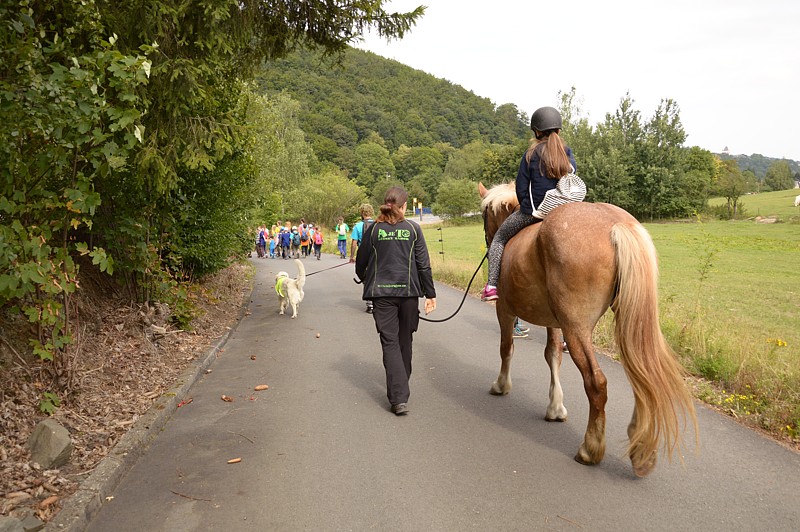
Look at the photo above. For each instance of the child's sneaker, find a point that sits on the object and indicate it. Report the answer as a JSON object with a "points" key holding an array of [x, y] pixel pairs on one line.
{"points": [[489, 294], [523, 329]]}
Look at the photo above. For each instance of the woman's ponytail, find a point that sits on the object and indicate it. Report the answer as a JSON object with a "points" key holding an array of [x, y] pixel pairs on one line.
{"points": [[392, 208]]}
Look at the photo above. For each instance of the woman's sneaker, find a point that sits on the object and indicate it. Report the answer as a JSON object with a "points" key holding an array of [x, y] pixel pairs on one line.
{"points": [[489, 294], [519, 333]]}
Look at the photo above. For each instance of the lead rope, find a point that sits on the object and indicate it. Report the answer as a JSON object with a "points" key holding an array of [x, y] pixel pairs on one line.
{"points": [[463, 298]]}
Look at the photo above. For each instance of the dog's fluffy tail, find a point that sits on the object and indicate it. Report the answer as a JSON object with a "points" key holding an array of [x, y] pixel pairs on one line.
{"points": [[301, 274]]}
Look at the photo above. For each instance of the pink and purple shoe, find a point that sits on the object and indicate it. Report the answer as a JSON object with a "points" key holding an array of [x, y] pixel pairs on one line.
{"points": [[489, 294]]}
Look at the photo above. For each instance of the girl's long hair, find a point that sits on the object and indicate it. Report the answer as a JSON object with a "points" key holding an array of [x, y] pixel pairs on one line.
{"points": [[392, 208], [553, 160]]}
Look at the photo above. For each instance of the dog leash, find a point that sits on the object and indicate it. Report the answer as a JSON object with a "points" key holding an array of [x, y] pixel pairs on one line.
{"points": [[326, 269]]}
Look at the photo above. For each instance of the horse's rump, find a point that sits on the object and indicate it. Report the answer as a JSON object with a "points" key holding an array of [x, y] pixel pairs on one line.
{"points": [[565, 265]]}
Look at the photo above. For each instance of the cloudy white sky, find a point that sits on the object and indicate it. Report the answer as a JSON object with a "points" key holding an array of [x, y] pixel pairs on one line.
{"points": [[733, 66]]}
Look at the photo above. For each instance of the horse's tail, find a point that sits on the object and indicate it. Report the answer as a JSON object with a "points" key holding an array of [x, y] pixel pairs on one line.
{"points": [[655, 375]]}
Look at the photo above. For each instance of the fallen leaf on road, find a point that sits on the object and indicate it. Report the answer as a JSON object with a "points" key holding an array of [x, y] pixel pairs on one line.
{"points": [[234, 460], [186, 402], [48, 501], [227, 399], [252, 357], [262, 387], [317, 335]]}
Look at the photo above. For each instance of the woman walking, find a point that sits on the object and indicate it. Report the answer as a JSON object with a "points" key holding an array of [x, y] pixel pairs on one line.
{"points": [[394, 265]]}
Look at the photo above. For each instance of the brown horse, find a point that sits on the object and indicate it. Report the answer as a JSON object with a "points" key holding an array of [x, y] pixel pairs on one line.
{"points": [[564, 273]]}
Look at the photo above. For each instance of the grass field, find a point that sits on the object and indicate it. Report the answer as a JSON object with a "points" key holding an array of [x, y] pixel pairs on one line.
{"points": [[730, 305], [780, 204]]}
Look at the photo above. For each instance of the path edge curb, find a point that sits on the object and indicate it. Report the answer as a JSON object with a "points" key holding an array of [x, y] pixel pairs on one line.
{"points": [[83, 505]]}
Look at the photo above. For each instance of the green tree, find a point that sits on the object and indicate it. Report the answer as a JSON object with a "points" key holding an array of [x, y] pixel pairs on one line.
{"points": [[417, 190], [731, 185], [323, 197], [467, 162], [607, 156], [662, 155], [500, 163], [512, 124], [203, 218], [277, 145], [409, 162], [700, 173], [71, 117], [379, 188], [779, 176], [456, 197], [429, 180], [204, 47], [373, 162]]}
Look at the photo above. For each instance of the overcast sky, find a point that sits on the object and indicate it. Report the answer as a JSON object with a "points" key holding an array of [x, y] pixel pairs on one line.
{"points": [[732, 66]]}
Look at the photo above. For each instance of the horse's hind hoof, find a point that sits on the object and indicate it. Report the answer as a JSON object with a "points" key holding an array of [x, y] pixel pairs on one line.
{"points": [[496, 389], [645, 468]]}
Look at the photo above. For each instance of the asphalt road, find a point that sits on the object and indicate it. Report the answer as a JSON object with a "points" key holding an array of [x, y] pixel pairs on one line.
{"points": [[320, 451]]}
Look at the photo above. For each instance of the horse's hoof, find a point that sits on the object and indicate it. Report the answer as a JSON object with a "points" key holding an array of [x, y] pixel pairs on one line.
{"points": [[556, 413], [581, 460], [583, 456], [644, 469], [496, 389]]}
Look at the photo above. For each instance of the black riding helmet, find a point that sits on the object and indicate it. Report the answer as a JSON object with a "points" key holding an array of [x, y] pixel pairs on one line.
{"points": [[545, 118]]}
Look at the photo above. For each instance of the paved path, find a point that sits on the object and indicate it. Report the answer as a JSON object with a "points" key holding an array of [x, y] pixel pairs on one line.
{"points": [[320, 451]]}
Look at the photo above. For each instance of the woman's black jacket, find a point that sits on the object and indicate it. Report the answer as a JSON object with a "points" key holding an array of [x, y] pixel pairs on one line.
{"points": [[393, 261]]}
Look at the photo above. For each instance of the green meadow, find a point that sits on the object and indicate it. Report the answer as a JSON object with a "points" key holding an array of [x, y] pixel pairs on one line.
{"points": [[780, 204], [729, 303]]}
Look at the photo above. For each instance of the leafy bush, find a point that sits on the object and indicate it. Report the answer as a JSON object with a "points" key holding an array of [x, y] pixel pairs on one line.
{"points": [[721, 212], [71, 117]]}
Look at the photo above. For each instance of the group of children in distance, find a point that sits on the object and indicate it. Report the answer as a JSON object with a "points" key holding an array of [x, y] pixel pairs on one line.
{"points": [[288, 241]]}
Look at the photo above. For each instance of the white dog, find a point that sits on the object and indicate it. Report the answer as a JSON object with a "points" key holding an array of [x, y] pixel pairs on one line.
{"points": [[291, 290]]}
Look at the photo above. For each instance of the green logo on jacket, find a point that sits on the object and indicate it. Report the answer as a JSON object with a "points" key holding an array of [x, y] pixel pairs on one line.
{"points": [[397, 234]]}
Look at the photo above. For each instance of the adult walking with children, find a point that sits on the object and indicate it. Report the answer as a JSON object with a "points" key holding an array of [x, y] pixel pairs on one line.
{"points": [[395, 269]]}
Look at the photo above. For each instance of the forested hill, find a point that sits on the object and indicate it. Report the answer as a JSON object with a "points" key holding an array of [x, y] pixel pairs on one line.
{"points": [[758, 164], [368, 93]]}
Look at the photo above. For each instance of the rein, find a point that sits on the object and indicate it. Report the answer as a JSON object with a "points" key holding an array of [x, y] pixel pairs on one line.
{"points": [[463, 298]]}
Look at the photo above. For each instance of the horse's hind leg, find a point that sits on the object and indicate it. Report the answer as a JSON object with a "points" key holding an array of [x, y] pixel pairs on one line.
{"points": [[593, 447], [502, 385], [552, 354], [642, 459]]}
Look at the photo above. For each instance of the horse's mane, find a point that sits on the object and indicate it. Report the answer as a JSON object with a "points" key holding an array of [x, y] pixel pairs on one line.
{"points": [[500, 196]]}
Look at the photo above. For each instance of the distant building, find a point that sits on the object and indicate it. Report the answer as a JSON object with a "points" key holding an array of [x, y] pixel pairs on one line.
{"points": [[726, 151]]}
